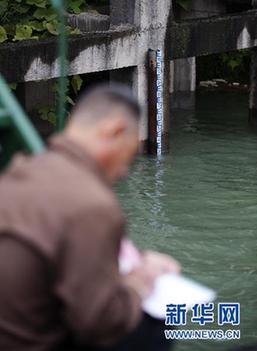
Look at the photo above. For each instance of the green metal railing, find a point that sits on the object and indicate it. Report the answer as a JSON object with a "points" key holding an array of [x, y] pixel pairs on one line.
{"points": [[12, 116], [60, 7], [16, 130]]}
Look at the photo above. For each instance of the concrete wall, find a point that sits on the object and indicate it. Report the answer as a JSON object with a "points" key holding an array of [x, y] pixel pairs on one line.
{"points": [[151, 19], [135, 27]]}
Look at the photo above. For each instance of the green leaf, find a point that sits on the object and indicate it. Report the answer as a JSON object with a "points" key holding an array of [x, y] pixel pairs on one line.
{"points": [[13, 86], [47, 114], [38, 3], [75, 31], [76, 83], [26, 19], [74, 6], [3, 7], [52, 117], [52, 27], [233, 64], [69, 30], [36, 25], [43, 112], [3, 34], [23, 32], [21, 9], [48, 14], [70, 101], [40, 14]]}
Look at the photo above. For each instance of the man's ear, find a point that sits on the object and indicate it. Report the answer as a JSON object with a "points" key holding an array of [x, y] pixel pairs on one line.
{"points": [[113, 127]]}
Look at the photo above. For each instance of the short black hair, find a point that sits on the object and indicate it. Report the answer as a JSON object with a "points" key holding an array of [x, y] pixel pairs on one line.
{"points": [[107, 94]]}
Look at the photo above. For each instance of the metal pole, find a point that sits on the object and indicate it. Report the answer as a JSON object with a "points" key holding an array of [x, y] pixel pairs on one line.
{"points": [[60, 7], [19, 120], [159, 102], [155, 97]]}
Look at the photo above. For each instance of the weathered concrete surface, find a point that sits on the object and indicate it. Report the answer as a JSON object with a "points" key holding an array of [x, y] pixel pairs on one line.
{"points": [[183, 71], [87, 53], [121, 47], [127, 46], [183, 83], [89, 22], [150, 18], [123, 11], [213, 35]]}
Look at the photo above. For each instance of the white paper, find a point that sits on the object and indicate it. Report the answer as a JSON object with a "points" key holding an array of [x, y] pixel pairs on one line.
{"points": [[175, 289]]}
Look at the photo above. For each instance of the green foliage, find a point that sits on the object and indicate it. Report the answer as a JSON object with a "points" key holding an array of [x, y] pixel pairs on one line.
{"points": [[73, 85], [234, 59], [31, 19], [48, 114], [3, 34], [22, 32], [12, 86], [75, 6], [76, 83], [231, 66], [185, 4]]}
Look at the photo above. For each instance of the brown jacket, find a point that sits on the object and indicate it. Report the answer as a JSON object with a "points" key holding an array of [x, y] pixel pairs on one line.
{"points": [[60, 233]]}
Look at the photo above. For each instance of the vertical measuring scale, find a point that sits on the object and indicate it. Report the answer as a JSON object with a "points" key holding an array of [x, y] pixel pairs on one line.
{"points": [[159, 102]]}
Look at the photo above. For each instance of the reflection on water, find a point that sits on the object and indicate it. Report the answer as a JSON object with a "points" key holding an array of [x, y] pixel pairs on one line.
{"points": [[200, 204]]}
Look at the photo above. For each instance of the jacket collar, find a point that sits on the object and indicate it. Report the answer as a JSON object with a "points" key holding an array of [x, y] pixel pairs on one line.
{"points": [[77, 154]]}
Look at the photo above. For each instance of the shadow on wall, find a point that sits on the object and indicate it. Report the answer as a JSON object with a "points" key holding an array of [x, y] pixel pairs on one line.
{"points": [[101, 6], [208, 8]]}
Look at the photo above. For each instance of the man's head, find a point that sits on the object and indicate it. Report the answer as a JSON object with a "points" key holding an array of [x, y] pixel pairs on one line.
{"points": [[105, 122]]}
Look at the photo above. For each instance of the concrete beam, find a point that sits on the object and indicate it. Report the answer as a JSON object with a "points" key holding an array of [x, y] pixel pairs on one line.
{"points": [[89, 22], [32, 60], [127, 46], [213, 35]]}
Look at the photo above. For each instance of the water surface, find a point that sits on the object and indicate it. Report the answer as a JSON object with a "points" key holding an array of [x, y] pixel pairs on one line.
{"points": [[199, 204]]}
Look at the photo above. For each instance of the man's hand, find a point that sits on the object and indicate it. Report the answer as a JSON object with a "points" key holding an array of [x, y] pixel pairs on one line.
{"points": [[161, 263], [152, 264]]}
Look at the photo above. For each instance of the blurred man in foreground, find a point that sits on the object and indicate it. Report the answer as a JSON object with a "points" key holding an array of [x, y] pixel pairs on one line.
{"points": [[61, 229]]}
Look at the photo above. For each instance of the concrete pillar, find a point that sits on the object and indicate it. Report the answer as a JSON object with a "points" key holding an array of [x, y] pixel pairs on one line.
{"points": [[140, 88], [253, 88], [137, 79], [159, 14], [183, 83], [253, 82], [151, 18], [127, 12]]}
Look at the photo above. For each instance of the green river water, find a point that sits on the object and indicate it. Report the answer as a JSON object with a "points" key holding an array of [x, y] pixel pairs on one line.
{"points": [[199, 204]]}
